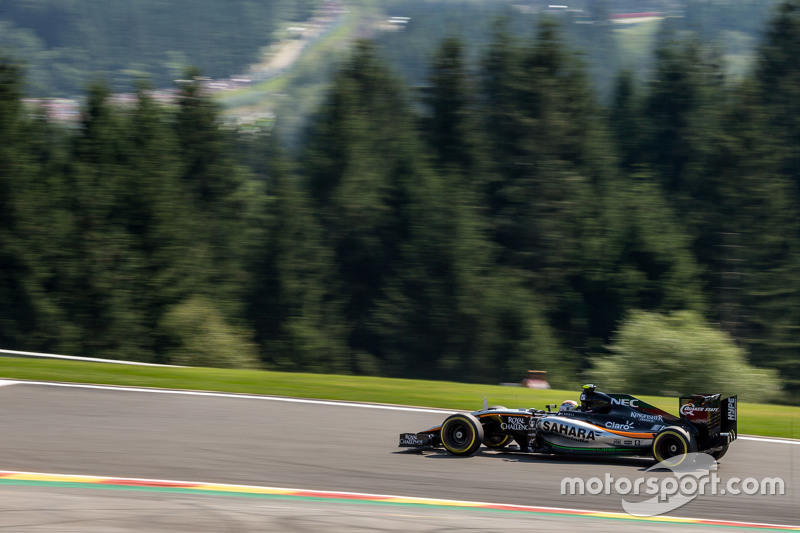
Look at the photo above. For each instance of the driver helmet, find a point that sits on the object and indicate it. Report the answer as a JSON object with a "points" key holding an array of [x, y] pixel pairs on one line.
{"points": [[568, 405], [594, 401]]}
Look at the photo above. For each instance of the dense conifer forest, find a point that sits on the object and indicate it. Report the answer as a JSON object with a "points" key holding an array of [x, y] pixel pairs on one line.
{"points": [[499, 219]]}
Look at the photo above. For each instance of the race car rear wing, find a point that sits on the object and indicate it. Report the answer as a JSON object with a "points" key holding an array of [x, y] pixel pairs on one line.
{"points": [[718, 415]]}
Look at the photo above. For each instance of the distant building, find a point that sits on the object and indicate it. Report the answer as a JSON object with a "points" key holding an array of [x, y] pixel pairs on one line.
{"points": [[635, 18]]}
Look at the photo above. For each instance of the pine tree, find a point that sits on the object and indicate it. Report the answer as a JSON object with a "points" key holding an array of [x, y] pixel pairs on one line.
{"points": [[682, 108], [626, 121], [451, 125], [363, 169], [778, 75], [766, 197], [158, 219], [291, 304], [18, 285], [97, 259], [540, 116], [220, 194]]}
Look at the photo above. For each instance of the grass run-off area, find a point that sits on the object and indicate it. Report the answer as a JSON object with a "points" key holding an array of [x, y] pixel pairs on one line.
{"points": [[754, 419]]}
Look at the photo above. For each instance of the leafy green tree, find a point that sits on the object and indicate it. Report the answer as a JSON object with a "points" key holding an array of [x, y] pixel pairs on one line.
{"points": [[680, 354], [200, 336]]}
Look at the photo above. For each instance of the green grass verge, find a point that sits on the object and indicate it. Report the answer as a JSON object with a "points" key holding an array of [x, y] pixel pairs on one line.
{"points": [[754, 419]]}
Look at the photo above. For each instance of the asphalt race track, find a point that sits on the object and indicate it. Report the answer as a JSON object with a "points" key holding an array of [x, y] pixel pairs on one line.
{"points": [[315, 446]]}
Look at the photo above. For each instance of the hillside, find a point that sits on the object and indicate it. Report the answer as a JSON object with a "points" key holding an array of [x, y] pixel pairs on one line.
{"points": [[67, 43], [496, 219]]}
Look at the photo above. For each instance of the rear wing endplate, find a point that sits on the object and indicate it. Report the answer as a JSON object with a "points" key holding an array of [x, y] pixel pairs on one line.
{"points": [[719, 414]]}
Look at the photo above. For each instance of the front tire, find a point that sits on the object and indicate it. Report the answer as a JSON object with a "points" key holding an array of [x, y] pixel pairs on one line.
{"points": [[671, 446], [462, 434]]}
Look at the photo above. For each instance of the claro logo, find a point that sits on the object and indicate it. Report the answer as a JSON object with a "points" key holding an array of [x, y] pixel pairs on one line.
{"points": [[616, 425]]}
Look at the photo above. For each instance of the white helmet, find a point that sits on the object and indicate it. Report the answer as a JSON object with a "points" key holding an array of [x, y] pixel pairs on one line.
{"points": [[568, 405]]}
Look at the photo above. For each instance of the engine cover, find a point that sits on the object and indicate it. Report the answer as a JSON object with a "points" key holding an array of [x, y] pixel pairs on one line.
{"points": [[574, 434]]}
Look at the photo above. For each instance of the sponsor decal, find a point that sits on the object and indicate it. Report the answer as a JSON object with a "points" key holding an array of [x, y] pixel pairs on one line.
{"points": [[568, 431], [688, 409], [616, 425], [517, 423], [646, 417], [627, 402], [410, 439], [731, 408]]}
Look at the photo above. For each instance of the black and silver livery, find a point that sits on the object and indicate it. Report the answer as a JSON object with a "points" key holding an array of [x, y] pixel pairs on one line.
{"points": [[603, 424]]}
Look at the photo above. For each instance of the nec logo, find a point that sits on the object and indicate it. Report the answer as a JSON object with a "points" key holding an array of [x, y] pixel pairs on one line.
{"points": [[627, 402]]}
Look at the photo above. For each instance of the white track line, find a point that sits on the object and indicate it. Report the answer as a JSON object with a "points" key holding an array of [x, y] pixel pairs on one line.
{"points": [[299, 400], [768, 439], [76, 358], [239, 396]]}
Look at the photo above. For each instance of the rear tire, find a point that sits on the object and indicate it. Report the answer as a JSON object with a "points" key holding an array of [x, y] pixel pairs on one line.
{"points": [[671, 446], [462, 434]]}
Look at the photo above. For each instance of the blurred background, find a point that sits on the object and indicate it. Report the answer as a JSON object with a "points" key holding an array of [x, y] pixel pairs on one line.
{"points": [[439, 189]]}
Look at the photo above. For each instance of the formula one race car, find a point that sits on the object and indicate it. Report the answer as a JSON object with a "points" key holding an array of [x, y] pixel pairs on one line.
{"points": [[603, 424]]}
